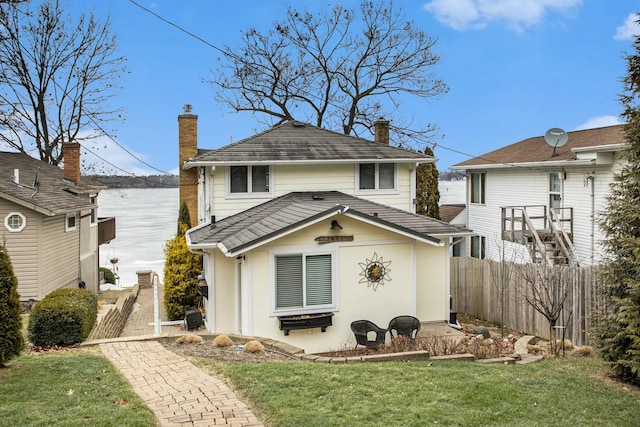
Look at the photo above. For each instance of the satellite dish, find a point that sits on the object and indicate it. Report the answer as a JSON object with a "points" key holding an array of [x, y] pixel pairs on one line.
{"points": [[555, 137]]}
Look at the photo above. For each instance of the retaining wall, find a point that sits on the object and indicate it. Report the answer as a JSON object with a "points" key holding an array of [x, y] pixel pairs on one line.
{"points": [[112, 317]]}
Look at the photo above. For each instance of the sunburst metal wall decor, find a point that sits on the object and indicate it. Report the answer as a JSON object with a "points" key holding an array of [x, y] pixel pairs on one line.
{"points": [[375, 271]]}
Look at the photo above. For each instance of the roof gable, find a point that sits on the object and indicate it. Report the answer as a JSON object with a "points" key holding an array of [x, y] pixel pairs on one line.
{"points": [[51, 196], [536, 150], [293, 211], [449, 212], [296, 142]]}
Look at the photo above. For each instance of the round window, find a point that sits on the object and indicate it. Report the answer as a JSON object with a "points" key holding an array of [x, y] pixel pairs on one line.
{"points": [[15, 222]]}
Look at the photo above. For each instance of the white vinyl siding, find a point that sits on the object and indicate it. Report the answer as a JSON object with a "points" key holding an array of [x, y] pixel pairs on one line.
{"points": [[526, 187]]}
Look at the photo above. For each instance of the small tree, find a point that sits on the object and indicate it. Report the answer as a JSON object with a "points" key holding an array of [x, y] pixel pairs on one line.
{"points": [[545, 288], [181, 269], [183, 216], [501, 273], [427, 192], [11, 339], [618, 330]]}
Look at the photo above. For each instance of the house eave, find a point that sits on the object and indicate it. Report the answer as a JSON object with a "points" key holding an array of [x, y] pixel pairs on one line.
{"points": [[601, 148], [205, 163], [28, 205], [546, 164], [238, 250]]}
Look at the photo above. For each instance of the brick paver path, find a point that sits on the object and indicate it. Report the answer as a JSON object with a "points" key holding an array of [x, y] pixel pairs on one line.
{"points": [[178, 393]]}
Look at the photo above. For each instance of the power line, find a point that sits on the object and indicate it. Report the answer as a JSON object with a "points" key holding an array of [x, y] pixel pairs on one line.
{"points": [[202, 40], [179, 27]]}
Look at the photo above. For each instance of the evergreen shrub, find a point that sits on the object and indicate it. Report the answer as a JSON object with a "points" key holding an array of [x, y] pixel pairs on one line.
{"points": [[64, 317], [109, 277], [11, 339], [181, 270]]}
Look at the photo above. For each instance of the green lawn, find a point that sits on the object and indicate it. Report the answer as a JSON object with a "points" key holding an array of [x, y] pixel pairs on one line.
{"points": [[68, 388], [80, 387], [570, 392]]}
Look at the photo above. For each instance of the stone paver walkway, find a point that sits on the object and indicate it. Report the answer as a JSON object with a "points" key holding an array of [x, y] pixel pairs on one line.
{"points": [[178, 393]]}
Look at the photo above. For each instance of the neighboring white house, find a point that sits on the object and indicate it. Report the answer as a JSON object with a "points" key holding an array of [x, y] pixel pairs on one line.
{"points": [[49, 223], [301, 227], [514, 192]]}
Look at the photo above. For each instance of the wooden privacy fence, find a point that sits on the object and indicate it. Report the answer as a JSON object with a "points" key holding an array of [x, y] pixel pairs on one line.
{"points": [[476, 287]]}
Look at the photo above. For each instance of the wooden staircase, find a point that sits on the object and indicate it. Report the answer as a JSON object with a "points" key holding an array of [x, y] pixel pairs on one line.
{"points": [[547, 233]]}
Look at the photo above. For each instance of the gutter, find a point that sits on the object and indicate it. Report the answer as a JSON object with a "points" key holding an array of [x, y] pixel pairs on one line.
{"points": [[191, 163], [547, 164]]}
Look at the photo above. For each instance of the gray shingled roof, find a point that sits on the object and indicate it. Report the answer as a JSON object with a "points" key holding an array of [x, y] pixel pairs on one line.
{"points": [[54, 194], [537, 150], [301, 142], [277, 217]]}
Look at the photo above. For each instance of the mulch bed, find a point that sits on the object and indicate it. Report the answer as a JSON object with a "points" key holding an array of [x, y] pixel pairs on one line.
{"points": [[233, 353]]}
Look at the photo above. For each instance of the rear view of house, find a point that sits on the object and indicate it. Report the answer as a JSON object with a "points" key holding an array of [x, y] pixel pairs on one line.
{"points": [[536, 201], [304, 231]]}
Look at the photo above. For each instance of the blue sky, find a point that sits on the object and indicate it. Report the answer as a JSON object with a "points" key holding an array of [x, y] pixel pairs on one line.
{"points": [[515, 69]]}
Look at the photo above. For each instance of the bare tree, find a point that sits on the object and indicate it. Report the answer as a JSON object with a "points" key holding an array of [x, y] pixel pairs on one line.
{"points": [[56, 78], [546, 288], [341, 69], [501, 274]]}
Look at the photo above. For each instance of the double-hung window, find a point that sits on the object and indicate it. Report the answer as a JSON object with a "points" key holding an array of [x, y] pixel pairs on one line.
{"points": [[249, 179], [376, 176], [478, 244], [93, 219], [304, 282], [555, 190], [477, 187]]}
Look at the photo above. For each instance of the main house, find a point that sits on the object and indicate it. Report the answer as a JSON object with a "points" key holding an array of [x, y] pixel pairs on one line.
{"points": [[304, 231], [536, 201], [49, 223]]}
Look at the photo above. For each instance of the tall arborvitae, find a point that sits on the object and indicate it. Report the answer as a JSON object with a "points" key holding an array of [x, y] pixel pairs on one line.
{"points": [[181, 270], [427, 192], [183, 216], [618, 331], [11, 339]]}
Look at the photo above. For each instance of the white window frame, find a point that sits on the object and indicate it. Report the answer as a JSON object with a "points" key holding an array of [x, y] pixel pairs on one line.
{"points": [[553, 193], [376, 188], [482, 242], [249, 193], [7, 222], [482, 190], [93, 217], [333, 306], [67, 227]]}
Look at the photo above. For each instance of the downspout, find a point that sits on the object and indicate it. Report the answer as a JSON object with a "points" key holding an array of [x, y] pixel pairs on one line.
{"points": [[239, 258], [413, 195], [588, 177]]}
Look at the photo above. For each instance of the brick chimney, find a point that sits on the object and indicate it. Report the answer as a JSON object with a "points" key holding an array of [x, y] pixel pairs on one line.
{"points": [[71, 157], [382, 131], [188, 149]]}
